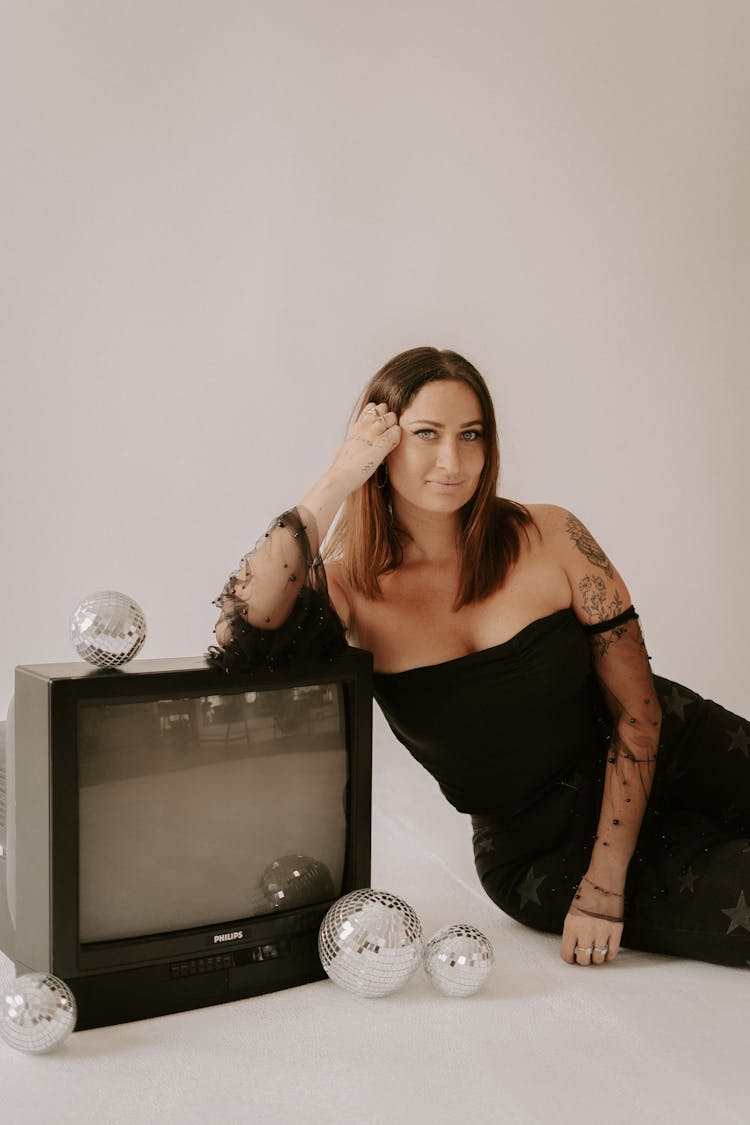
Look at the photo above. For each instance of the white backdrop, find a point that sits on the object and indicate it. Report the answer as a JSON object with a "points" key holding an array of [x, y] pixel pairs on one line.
{"points": [[219, 218]]}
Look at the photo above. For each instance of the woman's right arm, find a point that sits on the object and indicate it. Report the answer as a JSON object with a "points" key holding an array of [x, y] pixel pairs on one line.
{"points": [[263, 591]]}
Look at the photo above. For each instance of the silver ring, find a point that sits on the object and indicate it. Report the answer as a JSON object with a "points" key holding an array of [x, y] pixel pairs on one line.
{"points": [[372, 410], [598, 950], [578, 949]]}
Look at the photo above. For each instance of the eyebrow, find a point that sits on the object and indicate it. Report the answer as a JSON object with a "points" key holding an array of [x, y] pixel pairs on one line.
{"points": [[440, 426]]}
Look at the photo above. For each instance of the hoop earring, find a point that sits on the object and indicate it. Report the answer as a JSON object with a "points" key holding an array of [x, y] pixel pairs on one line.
{"points": [[381, 479]]}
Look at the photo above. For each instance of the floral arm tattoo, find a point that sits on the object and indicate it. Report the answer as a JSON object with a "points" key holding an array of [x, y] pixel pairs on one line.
{"points": [[600, 605], [587, 545]]}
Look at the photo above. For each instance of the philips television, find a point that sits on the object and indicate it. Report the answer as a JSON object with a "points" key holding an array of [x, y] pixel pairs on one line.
{"points": [[172, 835]]}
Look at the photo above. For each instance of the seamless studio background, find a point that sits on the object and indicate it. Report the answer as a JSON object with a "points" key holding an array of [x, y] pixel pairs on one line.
{"points": [[219, 219]]}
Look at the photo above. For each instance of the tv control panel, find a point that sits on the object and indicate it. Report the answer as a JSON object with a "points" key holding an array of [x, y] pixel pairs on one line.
{"points": [[220, 962]]}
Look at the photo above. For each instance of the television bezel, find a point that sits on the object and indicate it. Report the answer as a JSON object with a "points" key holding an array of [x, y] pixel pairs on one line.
{"points": [[77, 962]]}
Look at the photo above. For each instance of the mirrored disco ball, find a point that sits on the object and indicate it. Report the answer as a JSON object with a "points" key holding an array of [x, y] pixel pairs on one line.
{"points": [[458, 959], [296, 880], [108, 628], [37, 1013], [370, 942]]}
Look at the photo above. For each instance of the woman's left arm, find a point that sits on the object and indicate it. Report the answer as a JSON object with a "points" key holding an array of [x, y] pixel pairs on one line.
{"points": [[602, 604]]}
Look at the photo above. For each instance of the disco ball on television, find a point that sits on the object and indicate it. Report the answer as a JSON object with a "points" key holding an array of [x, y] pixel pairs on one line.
{"points": [[108, 628], [458, 959], [37, 1013], [370, 942], [296, 880]]}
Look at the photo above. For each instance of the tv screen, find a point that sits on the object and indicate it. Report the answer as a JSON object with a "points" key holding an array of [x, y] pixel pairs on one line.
{"points": [[175, 834]]}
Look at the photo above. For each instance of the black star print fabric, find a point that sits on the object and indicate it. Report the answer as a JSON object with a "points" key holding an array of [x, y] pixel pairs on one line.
{"points": [[688, 888], [520, 736]]}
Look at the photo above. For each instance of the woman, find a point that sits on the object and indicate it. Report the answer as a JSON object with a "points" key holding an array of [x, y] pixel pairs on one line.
{"points": [[606, 805]]}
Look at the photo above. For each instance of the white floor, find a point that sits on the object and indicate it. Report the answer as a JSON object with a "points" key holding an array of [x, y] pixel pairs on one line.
{"points": [[645, 1039]]}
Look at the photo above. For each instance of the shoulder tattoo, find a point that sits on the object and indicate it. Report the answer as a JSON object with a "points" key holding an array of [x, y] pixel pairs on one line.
{"points": [[587, 545]]}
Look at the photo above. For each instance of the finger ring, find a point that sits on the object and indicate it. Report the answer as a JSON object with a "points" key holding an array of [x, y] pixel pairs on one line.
{"points": [[382, 419], [580, 950], [604, 949], [372, 410]]}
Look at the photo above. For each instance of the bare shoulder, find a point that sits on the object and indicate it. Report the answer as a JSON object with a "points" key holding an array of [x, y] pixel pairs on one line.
{"points": [[339, 592], [561, 530], [548, 516], [552, 523], [598, 589]]}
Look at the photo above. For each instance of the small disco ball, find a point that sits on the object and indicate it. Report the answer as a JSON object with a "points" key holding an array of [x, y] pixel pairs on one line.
{"points": [[370, 943], [108, 628], [458, 959], [296, 880], [37, 1013]]}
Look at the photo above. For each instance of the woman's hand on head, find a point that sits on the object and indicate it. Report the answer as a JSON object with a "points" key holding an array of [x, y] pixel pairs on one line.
{"points": [[374, 435]]}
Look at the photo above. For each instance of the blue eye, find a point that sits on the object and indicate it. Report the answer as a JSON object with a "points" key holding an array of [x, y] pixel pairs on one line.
{"points": [[429, 435]]}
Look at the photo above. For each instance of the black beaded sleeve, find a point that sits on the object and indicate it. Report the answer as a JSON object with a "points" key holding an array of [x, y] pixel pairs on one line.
{"points": [[622, 667], [283, 614]]}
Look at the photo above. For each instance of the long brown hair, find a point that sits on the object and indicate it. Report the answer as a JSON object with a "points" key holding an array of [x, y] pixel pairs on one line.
{"points": [[367, 539]]}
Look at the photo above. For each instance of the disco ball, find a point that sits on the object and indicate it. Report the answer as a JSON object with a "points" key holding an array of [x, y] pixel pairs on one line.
{"points": [[458, 959], [370, 943], [296, 880], [108, 628], [37, 1013]]}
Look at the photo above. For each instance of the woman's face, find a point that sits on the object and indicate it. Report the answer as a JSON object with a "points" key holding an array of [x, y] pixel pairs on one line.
{"points": [[438, 462]]}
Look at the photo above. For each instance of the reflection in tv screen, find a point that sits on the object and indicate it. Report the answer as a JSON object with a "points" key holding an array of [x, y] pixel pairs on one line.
{"points": [[187, 804]]}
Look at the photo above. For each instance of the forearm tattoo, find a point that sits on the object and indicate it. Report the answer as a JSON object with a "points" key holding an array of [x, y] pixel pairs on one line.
{"points": [[587, 545]]}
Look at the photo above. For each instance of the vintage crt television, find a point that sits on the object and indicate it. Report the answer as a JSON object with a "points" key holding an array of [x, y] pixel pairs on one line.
{"points": [[172, 835]]}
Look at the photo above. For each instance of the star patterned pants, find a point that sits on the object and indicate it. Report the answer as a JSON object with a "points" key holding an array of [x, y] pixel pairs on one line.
{"points": [[688, 885]]}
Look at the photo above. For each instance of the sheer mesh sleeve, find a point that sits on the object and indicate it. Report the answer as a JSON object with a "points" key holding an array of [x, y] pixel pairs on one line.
{"points": [[622, 667], [275, 608]]}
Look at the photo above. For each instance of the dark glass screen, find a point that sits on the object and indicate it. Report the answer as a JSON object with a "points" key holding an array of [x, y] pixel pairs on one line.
{"points": [[198, 810]]}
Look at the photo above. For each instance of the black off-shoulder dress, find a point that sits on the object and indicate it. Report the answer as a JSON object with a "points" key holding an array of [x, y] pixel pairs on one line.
{"points": [[517, 736]]}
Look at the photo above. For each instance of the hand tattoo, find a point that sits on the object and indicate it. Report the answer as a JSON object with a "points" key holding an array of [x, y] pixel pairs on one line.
{"points": [[587, 545]]}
